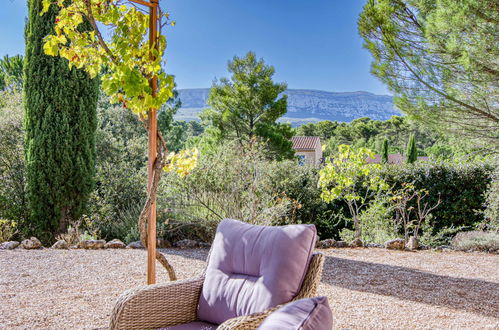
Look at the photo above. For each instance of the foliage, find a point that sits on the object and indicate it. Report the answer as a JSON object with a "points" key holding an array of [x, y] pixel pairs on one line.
{"points": [[120, 192], [432, 238], [384, 151], [8, 229], [60, 141], [411, 153], [227, 184], [412, 217], [460, 186], [339, 177], [491, 212], [129, 59], [13, 203], [247, 106], [11, 73], [378, 225], [477, 241], [439, 58]]}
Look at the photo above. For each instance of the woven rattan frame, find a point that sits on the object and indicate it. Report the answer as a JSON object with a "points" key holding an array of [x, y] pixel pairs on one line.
{"points": [[173, 303]]}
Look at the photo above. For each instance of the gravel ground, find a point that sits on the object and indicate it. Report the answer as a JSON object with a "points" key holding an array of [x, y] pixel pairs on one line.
{"points": [[367, 288]]}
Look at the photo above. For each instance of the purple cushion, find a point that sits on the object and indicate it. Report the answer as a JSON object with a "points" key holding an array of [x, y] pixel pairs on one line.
{"points": [[306, 314], [253, 268], [192, 326]]}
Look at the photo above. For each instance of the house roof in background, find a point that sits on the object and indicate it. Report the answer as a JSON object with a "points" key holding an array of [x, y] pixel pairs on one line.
{"points": [[306, 142]]}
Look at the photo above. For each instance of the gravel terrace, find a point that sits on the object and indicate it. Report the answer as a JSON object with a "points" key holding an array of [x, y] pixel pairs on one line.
{"points": [[367, 288]]}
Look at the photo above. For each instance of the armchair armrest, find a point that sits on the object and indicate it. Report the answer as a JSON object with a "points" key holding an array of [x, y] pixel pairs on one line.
{"points": [[156, 306], [247, 322]]}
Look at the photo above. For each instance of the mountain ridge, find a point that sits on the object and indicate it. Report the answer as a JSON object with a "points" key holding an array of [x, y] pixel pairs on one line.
{"points": [[306, 105]]}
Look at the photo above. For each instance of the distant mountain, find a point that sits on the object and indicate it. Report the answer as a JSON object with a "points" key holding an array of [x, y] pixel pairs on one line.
{"points": [[306, 105]]}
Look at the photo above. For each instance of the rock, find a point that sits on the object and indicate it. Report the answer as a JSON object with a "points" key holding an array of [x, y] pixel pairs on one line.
{"points": [[357, 243], [11, 245], [135, 245], [326, 244], [341, 244], [412, 244], [92, 244], [373, 245], [32, 243], [115, 244], [60, 244], [163, 244], [187, 244], [204, 245], [395, 244]]}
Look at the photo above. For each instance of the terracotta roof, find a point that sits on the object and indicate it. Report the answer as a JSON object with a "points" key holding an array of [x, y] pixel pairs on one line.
{"points": [[306, 142]]}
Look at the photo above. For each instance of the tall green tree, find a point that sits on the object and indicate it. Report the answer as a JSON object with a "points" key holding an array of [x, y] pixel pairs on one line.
{"points": [[384, 151], [412, 152], [60, 123], [439, 58], [246, 107]]}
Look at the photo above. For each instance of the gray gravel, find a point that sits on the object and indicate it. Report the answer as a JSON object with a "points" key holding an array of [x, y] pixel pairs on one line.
{"points": [[367, 288]]}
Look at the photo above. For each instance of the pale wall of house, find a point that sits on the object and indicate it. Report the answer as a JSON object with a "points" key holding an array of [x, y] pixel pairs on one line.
{"points": [[310, 157]]}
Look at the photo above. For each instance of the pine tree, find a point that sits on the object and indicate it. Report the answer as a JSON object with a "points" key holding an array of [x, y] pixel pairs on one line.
{"points": [[60, 122], [412, 152], [246, 107], [384, 152]]}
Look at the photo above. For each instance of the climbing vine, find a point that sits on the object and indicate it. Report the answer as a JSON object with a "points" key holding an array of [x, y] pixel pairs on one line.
{"points": [[126, 62]]}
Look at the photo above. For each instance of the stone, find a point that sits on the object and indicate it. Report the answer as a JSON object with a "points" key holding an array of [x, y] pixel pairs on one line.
{"points": [[395, 244], [356, 243], [32, 243], [11, 245], [341, 244], [373, 245], [204, 245], [187, 244], [92, 244], [60, 244], [327, 244], [412, 244], [163, 244], [135, 245], [115, 244]]}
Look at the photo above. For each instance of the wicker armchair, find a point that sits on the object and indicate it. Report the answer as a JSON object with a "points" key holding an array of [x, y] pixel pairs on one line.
{"points": [[172, 303]]}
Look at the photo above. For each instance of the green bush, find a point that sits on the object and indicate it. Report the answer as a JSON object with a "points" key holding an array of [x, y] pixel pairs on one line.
{"points": [[477, 241], [461, 187], [378, 225], [13, 204]]}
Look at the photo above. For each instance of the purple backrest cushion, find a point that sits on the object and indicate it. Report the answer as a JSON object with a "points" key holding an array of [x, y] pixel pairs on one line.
{"points": [[306, 314], [252, 268]]}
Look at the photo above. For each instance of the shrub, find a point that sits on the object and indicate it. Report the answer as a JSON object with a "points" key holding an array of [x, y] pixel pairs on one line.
{"points": [[491, 212], [440, 237], [476, 240], [378, 225], [8, 229], [230, 183], [460, 187], [13, 203]]}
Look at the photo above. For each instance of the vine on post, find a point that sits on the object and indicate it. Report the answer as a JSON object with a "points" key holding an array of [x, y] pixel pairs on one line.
{"points": [[126, 62]]}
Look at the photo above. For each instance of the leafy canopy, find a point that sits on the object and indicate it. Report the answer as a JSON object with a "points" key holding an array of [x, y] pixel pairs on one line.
{"points": [[439, 58], [339, 178], [128, 58], [247, 106]]}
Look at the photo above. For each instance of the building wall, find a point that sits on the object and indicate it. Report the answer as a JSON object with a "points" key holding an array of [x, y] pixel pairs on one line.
{"points": [[310, 156]]}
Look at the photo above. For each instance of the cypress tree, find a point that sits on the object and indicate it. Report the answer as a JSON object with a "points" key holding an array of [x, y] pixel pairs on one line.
{"points": [[384, 151], [60, 123], [412, 152]]}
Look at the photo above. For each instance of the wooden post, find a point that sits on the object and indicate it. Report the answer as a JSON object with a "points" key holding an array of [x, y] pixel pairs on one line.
{"points": [[152, 154]]}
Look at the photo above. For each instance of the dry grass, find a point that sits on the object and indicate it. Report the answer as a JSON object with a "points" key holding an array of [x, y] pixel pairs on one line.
{"points": [[367, 288]]}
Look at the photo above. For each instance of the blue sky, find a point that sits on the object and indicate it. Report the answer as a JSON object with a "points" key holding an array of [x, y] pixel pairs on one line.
{"points": [[313, 44]]}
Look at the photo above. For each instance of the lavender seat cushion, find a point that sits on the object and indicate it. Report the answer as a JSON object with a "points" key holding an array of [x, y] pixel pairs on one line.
{"points": [[253, 268], [306, 314]]}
